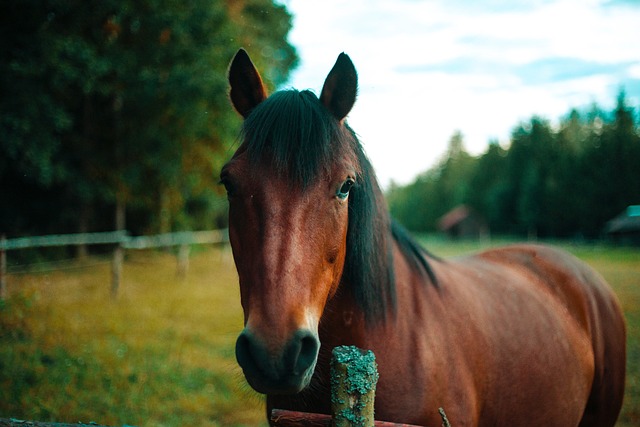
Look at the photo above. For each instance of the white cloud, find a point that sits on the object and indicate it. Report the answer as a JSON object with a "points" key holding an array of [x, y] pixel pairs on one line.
{"points": [[405, 119], [634, 71]]}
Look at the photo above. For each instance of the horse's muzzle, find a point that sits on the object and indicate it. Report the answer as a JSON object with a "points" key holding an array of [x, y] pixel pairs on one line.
{"points": [[288, 372]]}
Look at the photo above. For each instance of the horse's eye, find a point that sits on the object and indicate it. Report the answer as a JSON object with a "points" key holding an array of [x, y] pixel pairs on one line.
{"points": [[343, 192]]}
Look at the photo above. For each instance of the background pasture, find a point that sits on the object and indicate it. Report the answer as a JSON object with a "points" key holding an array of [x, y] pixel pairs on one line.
{"points": [[162, 354]]}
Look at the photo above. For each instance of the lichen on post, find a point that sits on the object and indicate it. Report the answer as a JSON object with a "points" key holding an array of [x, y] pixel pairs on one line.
{"points": [[354, 375]]}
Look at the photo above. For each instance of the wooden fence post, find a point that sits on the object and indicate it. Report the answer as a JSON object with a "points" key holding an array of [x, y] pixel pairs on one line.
{"points": [[354, 375], [183, 260], [116, 269], [3, 268]]}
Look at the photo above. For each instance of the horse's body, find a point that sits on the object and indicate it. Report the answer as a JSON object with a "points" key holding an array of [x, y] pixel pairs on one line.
{"points": [[523, 335], [514, 336]]}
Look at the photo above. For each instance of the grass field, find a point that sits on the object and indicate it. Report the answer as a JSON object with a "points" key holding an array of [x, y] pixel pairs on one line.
{"points": [[162, 354]]}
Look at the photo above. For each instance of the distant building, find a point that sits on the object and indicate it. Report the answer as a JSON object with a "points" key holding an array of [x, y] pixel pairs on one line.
{"points": [[463, 222], [625, 228]]}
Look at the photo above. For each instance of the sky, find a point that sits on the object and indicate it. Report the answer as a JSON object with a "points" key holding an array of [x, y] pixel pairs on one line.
{"points": [[429, 68]]}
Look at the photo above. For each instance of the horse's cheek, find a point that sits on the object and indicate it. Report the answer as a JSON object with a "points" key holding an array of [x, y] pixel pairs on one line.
{"points": [[336, 254]]}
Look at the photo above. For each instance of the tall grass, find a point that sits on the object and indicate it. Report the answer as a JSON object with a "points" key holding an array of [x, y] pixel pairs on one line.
{"points": [[162, 353]]}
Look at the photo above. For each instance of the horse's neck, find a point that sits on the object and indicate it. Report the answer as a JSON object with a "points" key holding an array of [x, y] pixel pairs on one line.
{"points": [[343, 321]]}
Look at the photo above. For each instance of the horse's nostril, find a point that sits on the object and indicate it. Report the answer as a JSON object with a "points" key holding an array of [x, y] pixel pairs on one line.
{"points": [[245, 352], [308, 352], [302, 352], [251, 355]]}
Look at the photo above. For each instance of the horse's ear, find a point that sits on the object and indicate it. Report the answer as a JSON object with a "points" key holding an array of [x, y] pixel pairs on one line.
{"points": [[340, 88], [247, 89]]}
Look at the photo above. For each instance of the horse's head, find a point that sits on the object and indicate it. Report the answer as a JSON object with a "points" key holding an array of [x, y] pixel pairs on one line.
{"points": [[288, 186]]}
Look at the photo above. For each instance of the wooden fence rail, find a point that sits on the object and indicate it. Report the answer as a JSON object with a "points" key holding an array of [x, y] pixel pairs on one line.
{"points": [[12, 422], [109, 237], [116, 237], [120, 239]]}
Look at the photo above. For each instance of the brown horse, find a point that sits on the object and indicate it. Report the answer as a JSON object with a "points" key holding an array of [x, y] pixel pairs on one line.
{"points": [[524, 335]]}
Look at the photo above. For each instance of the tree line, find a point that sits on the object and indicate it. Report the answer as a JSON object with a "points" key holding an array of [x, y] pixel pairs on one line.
{"points": [[114, 113], [563, 180]]}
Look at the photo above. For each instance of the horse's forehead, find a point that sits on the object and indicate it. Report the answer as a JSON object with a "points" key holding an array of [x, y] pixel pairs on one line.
{"points": [[297, 168], [261, 174]]}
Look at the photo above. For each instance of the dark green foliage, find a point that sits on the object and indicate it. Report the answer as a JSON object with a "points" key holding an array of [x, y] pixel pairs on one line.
{"points": [[419, 205], [123, 102], [564, 182]]}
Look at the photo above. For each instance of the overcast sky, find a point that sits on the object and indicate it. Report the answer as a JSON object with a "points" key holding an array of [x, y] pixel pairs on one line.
{"points": [[429, 68]]}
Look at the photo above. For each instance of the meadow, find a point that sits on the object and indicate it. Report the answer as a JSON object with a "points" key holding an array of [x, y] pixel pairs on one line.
{"points": [[162, 353]]}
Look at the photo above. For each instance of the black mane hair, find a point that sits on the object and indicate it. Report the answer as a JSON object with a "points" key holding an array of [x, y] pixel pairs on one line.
{"points": [[294, 131]]}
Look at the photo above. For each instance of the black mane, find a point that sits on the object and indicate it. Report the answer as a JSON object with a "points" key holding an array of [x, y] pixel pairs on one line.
{"points": [[294, 131]]}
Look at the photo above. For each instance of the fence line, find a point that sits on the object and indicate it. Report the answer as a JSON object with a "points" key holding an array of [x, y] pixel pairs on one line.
{"points": [[121, 240], [176, 239], [116, 237], [3, 268], [109, 237]]}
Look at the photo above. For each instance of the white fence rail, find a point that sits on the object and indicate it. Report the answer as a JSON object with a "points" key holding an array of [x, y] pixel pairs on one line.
{"points": [[120, 239]]}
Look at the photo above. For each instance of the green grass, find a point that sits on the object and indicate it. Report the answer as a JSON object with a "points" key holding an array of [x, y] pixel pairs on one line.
{"points": [[162, 354]]}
